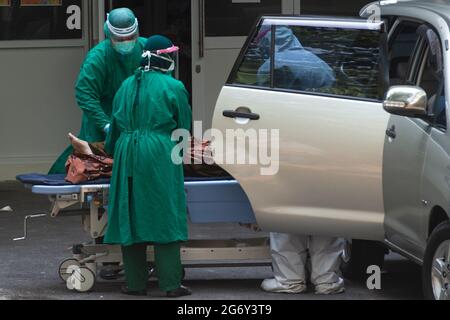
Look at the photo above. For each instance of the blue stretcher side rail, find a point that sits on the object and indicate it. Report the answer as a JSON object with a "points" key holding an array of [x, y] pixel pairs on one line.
{"points": [[209, 200]]}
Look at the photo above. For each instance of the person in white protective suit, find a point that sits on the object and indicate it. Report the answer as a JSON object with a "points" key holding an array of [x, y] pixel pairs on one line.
{"points": [[289, 260], [290, 252]]}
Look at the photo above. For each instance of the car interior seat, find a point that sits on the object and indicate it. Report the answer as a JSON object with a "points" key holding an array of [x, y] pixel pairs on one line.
{"points": [[430, 81], [398, 71]]}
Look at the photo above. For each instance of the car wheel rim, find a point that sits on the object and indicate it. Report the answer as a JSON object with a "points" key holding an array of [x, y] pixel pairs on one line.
{"points": [[440, 272]]}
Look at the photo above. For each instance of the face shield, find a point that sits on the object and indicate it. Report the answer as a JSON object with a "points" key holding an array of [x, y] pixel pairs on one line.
{"points": [[162, 59], [123, 30]]}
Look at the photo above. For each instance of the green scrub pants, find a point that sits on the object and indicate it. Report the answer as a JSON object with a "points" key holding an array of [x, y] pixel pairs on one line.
{"points": [[168, 266]]}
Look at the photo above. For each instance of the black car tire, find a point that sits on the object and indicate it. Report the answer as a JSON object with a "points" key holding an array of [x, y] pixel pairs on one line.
{"points": [[439, 235]]}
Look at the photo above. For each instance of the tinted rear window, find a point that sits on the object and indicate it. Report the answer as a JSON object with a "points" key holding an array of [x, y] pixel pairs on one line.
{"points": [[336, 61]]}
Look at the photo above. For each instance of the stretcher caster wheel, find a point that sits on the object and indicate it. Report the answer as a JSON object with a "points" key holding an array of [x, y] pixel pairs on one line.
{"points": [[81, 280], [65, 266]]}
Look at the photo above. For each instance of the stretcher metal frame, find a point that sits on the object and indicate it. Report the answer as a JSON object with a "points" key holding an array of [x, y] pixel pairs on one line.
{"points": [[80, 271]]}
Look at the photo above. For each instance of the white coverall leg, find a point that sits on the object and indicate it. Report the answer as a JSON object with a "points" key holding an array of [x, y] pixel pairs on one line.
{"points": [[326, 258], [289, 260]]}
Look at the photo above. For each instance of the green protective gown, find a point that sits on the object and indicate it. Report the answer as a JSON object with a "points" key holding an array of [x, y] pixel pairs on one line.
{"points": [[101, 76], [153, 208]]}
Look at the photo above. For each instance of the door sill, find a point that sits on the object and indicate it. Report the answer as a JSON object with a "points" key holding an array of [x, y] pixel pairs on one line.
{"points": [[403, 252]]}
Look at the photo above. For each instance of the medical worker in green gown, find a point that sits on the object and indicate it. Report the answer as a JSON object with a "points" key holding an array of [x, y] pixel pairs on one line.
{"points": [[102, 73], [147, 200]]}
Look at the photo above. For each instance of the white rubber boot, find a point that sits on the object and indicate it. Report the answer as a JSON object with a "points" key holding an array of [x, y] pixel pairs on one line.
{"points": [[330, 288], [274, 286]]}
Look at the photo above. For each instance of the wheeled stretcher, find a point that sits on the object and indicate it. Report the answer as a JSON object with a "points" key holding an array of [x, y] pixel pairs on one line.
{"points": [[209, 200]]}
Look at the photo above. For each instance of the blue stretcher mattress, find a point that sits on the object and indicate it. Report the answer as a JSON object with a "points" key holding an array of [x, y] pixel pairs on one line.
{"points": [[59, 180], [209, 200]]}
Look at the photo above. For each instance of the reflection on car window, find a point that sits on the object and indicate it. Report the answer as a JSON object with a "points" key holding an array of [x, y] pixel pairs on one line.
{"points": [[257, 53], [295, 67], [330, 60], [344, 62]]}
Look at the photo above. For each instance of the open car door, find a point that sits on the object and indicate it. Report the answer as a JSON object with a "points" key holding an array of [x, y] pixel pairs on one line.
{"points": [[304, 127]]}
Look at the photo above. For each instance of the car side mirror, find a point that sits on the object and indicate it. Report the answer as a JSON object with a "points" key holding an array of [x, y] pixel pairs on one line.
{"points": [[407, 101]]}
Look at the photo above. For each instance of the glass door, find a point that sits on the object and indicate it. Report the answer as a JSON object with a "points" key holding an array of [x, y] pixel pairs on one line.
{"points": [[170, 18]]}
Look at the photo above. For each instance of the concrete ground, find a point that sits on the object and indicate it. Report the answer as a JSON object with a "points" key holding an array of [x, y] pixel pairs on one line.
{"points": [[28, 269]]}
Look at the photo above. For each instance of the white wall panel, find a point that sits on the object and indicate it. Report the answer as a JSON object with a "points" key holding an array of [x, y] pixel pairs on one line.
{"points": [[37, 106]]}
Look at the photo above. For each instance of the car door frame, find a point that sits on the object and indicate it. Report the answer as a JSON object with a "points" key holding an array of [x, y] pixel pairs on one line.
{"points": [[435, 187], [413, 134]]}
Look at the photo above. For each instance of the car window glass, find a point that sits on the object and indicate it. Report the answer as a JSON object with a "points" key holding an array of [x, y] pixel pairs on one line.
{"points": [[431, 75], [328, 60], [431, 72], [429, 79], [257, 54], [439, 109], [402, 47]]}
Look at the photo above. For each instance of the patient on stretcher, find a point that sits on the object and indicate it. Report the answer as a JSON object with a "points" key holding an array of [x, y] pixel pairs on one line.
{"points": [[195, 161], [88, 162]]}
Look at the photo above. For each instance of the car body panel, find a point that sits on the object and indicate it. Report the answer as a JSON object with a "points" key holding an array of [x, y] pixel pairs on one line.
{"points": [[403, 166], [436, 178], [330, 170]]}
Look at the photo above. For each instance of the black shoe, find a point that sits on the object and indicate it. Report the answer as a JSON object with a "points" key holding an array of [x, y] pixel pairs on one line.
{"points": [[111, 272], [127, 291], [180, 292]]}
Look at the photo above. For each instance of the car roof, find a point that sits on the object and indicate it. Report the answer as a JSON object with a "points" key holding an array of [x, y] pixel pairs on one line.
{"points": [[281, 17], [441, 7], [389, 7], [425, 3]]}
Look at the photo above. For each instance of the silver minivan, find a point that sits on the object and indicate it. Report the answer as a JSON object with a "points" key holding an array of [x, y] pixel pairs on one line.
{"points": [[360, 106]]}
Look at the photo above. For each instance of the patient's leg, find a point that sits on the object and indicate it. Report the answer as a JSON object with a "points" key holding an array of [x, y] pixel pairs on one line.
{"points": [[80, 146]]}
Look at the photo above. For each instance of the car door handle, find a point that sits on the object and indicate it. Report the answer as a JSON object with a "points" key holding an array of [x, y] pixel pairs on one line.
{"points": [[240, 114], [391, 133]]}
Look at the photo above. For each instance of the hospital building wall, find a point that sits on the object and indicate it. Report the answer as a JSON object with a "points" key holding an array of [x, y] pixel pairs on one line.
{"points": [[36, 103]]}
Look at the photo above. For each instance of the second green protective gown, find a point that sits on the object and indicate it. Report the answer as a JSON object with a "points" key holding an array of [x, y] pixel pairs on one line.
{"points": [[101, 76], [141, 141]]}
